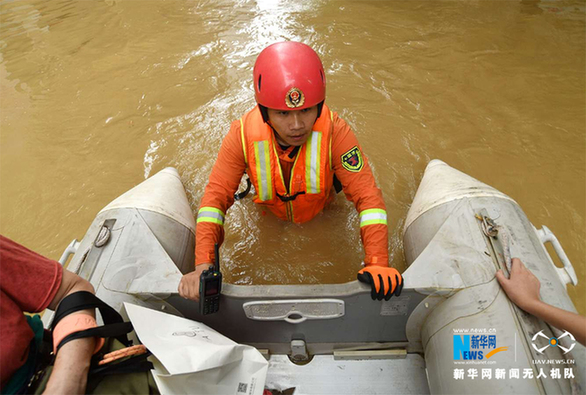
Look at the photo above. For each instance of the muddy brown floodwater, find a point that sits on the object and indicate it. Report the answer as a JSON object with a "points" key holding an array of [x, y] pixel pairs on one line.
{"points": [[97, 95]]}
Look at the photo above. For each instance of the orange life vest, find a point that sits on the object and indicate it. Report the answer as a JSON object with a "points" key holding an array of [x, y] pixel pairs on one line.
{"points": [[312, 177]]}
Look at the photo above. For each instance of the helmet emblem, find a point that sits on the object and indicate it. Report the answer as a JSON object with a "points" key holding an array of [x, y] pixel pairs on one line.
{"points": [[294, 98]]}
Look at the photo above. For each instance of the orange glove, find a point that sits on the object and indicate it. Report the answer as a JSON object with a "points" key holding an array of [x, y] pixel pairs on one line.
{"points": [[385, 281]]}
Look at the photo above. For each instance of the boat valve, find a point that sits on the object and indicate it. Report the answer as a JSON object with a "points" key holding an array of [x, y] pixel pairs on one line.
{"points": [[299, 351]]}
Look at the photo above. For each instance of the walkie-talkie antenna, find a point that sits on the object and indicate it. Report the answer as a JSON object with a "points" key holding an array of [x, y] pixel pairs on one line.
{"points": [[217, 253]]}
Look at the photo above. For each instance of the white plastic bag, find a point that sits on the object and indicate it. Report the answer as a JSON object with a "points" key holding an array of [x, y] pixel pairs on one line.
{"points": [[192, 358]]}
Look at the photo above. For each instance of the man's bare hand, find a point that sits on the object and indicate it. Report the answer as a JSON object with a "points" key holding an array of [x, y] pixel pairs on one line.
{"points": [[189, 285], [522, 287]]}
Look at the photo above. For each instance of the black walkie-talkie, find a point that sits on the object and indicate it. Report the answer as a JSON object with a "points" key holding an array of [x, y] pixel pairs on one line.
{"points": [[210, 286]]}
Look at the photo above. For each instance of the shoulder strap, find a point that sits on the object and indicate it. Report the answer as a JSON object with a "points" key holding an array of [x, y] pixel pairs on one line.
{"points": [[242, 195]]}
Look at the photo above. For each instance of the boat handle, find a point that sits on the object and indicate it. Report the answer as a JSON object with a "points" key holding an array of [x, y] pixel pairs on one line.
{"points": [[295, 318], [71, 249], [567, 273]]}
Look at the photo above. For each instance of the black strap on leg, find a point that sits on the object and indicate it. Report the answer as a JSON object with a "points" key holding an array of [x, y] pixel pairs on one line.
{"points": [[85, 300], [135, 364], [114, 327], [117, 331]]}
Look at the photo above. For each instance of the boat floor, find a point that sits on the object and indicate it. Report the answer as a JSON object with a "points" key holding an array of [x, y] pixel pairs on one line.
{"points": [[323, 375]]}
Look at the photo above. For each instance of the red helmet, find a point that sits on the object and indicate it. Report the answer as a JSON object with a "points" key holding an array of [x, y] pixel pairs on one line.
{"points": [[289, 76]]}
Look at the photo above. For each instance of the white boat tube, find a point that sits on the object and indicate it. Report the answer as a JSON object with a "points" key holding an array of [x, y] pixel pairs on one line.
{"points": [[454, 243]]}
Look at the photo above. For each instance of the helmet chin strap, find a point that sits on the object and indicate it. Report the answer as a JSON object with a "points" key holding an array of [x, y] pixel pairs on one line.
{"points": [[320, 106], [264, 111]]}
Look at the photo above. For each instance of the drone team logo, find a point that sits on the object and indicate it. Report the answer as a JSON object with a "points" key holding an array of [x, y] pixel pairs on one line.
{"points": [[551, 342]]}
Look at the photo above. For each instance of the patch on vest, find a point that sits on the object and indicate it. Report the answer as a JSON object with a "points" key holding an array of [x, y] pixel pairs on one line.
{"points": [[352, 160]]}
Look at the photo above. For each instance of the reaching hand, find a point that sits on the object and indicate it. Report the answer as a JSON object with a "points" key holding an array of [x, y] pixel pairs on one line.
{"points": [[522, 287], [189, 285], [523, 290], [385, 281]]}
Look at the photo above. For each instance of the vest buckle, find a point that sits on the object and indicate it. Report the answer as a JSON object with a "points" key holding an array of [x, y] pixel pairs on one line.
{"points": [[287, 198]]}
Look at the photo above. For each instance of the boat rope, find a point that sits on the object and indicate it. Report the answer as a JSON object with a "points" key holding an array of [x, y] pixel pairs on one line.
{"points": [[506, 243]]}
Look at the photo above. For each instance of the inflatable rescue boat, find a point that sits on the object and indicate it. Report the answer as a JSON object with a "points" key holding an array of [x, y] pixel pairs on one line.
{"points": [[452, 330]]}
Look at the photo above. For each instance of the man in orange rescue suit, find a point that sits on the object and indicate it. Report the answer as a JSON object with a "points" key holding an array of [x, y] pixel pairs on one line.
{"points": [[292, 148]]}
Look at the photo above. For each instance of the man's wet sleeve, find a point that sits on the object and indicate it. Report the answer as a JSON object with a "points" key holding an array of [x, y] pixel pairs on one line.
{"points": [[219, 195], [352, 169]]}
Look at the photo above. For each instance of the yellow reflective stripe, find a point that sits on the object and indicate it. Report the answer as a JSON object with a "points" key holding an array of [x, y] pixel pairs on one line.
{"points": [[263, 170], [308, 145], [312, 162], [269, 171], [243, 142], [289, 204], [331, 138], [373, 222], [208, 219], [281, 170], [210, 214], [373, 216]]}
